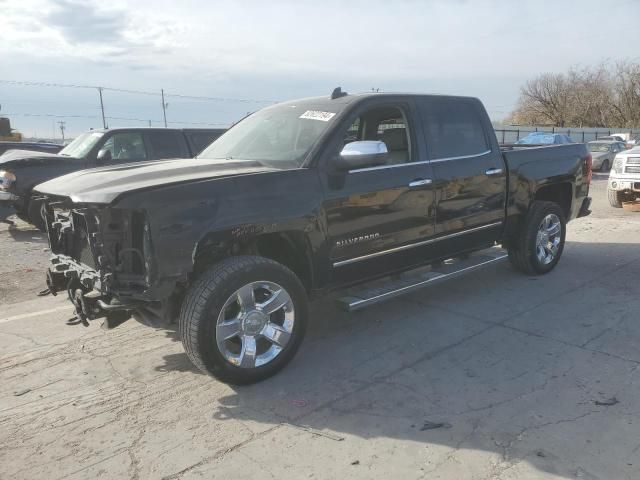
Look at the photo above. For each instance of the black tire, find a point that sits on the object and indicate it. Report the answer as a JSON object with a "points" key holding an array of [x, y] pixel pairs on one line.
{"points": [[522, 248], [34, 215], [605, 166], [615, 198], [204, 302]]}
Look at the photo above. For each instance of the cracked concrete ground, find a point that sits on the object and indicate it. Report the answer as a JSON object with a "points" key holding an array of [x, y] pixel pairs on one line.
{"points": [[509, 366]]}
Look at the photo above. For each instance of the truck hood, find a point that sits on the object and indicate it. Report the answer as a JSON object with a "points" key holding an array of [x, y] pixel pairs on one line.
{"points": [[12, 158], [103, 185]]}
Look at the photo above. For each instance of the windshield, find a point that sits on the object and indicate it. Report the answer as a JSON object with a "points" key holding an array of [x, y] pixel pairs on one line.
{"points": [[536, 138], [279, 136], [81, 145], [598, 147]]}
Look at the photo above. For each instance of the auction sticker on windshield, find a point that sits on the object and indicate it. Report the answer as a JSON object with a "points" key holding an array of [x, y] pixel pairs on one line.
{"points": [[318, 115]]}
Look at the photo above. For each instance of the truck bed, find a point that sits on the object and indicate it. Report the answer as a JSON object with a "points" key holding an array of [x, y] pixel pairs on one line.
{"points": [[568, 165]]}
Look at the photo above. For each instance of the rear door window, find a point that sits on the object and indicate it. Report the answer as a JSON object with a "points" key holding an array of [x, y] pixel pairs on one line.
{"points": [[453, 128], [167, 144]]}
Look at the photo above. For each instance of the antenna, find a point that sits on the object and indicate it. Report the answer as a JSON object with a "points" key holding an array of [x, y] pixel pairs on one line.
{"points": [[337, 93]]}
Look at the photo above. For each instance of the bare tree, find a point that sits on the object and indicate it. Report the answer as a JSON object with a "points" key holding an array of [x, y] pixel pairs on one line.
{"points": [[591, 97], [547, 96], [598, 96], [626, 103]]}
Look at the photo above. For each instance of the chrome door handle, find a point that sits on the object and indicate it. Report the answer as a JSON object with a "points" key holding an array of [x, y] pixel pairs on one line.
{"points": [[493, 171], [421, 182]]}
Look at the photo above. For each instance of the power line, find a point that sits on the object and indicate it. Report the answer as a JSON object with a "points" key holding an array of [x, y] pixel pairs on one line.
{"points": [[145, 120], [25, 83]]}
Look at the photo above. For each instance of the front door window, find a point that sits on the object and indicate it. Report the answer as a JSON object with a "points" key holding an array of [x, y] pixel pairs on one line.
{"points": [[126, 147]]}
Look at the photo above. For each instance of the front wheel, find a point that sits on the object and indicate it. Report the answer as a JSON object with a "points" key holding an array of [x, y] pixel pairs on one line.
{"points": [[615, 198], [539, 244], [34, 215], [244, 319]]}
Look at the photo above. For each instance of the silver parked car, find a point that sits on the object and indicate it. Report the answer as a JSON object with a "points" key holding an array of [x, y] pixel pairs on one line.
{"points": [[603, 152]]}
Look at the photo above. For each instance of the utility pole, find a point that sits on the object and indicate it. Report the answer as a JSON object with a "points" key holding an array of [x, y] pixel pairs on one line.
{"points": [[104, 121], [164, 108], [62, 124]]}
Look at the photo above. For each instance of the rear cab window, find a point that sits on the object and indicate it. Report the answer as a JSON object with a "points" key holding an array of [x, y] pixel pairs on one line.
{"points": [[453, 128], [201, 140], [169, 144]]}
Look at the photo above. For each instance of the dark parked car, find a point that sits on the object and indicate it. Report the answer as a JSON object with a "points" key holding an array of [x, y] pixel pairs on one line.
{"points": [[21, 170], [298, 199], [31, 146], [543, 138]]}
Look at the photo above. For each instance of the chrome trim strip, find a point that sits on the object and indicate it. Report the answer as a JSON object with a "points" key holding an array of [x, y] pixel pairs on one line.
{"points": [[383, 167], [412, 245], [422, 162], [420, 183], [462, 157]]}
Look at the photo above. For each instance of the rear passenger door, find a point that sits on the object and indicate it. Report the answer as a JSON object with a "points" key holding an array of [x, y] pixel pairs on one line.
{"points": [[468, 171], [166, 144]]}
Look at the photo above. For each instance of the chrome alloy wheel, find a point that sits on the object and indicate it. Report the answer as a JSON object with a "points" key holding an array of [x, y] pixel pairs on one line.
{"points": [[255, 324], [548, 239]]}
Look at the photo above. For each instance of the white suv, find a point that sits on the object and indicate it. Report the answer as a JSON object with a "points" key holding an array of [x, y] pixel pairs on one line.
{"points": [[624, 179]]}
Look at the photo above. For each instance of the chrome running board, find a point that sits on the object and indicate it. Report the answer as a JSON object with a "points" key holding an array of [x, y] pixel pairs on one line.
{"points": [[390, 287]]}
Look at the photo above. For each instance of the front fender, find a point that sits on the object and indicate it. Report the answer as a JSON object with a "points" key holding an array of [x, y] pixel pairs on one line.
{"points": [[187, 217]]}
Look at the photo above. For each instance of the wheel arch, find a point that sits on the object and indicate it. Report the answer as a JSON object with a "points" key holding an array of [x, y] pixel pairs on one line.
{"points": [[289, 248], [559, 193]]}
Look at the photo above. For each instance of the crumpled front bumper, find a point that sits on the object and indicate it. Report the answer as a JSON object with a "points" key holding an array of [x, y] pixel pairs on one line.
{"points": [[85, 289]]}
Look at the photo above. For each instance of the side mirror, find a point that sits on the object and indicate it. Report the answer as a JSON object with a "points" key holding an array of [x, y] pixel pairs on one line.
{"points": [[361, 154], [104, 156]]}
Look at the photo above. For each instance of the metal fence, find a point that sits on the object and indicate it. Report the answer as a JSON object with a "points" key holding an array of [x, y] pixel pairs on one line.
{"points": [[582, 135]]}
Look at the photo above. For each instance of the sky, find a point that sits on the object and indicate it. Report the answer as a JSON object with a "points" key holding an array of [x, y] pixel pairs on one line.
{"points": [[248, 54]]}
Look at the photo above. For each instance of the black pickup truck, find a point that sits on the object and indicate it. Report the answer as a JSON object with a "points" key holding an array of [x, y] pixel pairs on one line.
{"points": [[298, 199], [22, 169]]}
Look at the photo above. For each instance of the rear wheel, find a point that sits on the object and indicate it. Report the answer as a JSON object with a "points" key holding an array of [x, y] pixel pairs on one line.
{"points": [[605, 166], [244, 319], [615, 198], [539, 244]]}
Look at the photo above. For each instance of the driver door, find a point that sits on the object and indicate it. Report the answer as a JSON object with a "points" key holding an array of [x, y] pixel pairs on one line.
{"points": [[378, 216]]}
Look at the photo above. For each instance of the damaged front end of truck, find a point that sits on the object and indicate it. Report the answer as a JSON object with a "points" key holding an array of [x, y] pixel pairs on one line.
{"points": [[101, 257]]}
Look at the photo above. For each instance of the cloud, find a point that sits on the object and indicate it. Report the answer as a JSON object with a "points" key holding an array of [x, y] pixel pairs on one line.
{"points": [[295, 48], [88, 31], [82, 22]]}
